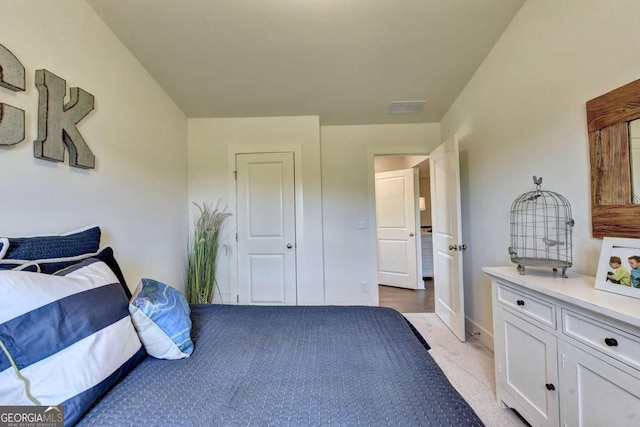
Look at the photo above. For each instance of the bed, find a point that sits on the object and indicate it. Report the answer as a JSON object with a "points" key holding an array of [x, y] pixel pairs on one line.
{"points": [[261, 365], [240, 365]]}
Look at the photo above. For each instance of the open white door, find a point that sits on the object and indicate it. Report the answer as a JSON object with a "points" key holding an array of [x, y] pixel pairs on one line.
{"points": [[266, 229], [447, 232], [396, 228]]}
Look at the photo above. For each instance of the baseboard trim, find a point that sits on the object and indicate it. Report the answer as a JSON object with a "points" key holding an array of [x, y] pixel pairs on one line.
{"points": [[483, 335]]}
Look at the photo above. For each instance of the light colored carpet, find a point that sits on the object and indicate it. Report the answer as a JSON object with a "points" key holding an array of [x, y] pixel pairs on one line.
{"points": [[468, 365]]}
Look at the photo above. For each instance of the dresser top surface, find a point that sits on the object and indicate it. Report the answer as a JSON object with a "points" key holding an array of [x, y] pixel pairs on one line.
{"points": [[577, 289]]}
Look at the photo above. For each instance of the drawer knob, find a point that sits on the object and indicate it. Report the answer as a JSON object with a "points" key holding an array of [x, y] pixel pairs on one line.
{"points": [[520, 302], [550, 387], [611, 342]]}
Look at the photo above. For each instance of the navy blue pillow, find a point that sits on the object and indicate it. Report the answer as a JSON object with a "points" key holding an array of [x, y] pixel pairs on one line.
{"points": [[15, 266], [63, 246], [105, 255]]}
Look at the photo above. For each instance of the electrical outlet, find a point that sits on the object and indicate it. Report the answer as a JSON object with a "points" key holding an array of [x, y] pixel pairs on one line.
{"points": [[361, 224], [364, 287]]}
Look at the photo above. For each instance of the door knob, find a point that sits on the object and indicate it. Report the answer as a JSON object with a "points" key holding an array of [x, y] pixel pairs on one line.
{"points": [[463, 247], [410, 234], [453, 247], [611, 342], [289, 245]]}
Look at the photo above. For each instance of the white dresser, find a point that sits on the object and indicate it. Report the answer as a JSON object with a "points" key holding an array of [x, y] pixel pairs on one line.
{"points": [[566, 354]]}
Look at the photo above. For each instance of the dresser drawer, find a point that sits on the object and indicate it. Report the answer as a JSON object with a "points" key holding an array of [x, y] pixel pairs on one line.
{"points": [[603, 337], [526, 304]]}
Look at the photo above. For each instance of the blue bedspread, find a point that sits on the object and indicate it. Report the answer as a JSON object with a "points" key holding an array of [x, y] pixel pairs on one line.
{"points": [[290, 366]]}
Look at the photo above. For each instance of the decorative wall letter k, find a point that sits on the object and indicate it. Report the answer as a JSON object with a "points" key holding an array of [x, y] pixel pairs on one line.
{"points": [[57, 121]]}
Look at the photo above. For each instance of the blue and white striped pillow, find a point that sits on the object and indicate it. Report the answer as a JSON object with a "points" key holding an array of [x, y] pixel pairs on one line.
{"points": [[66, 338]]}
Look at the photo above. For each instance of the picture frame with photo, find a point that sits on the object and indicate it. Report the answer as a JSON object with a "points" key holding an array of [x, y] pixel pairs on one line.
{"points": [[619, 266]]}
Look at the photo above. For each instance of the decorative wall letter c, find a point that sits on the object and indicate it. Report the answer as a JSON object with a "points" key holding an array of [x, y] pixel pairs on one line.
{"points": [[11, 118], [57, 121], [11, 124]]}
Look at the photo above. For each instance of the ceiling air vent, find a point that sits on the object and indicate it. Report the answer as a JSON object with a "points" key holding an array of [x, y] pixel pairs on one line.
{"points": [[402, 107]]}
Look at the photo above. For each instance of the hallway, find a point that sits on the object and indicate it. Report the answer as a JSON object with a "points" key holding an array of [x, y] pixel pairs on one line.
{"points": [[407, 300]]}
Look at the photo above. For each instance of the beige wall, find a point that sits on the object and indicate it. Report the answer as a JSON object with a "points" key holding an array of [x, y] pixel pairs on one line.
{"points": [[348, 196], [333, 274], [390, 163], [137, 192], [523, 114], [212, 147]]}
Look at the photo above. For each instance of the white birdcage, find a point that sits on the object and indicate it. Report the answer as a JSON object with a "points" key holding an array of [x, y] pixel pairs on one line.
{"points": [[541, 227]]}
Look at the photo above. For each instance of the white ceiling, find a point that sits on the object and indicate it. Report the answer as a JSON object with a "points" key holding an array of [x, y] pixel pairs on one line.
{"points": [[343, 60]]}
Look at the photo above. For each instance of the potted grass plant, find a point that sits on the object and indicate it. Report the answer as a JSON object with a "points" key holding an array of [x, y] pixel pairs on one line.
{"points": [[204, 250]]}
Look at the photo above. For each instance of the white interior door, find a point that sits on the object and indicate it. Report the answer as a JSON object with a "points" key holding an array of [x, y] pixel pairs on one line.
{"points": [[396, 228], [266, 229], [447, 232]]}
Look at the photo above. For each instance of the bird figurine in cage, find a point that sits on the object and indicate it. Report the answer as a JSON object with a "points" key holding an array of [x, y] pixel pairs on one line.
{"points": [[541, 227]]}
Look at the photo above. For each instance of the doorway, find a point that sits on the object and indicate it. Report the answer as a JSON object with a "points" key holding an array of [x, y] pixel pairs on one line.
{"points": [[444, 175], [403, 230]]}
